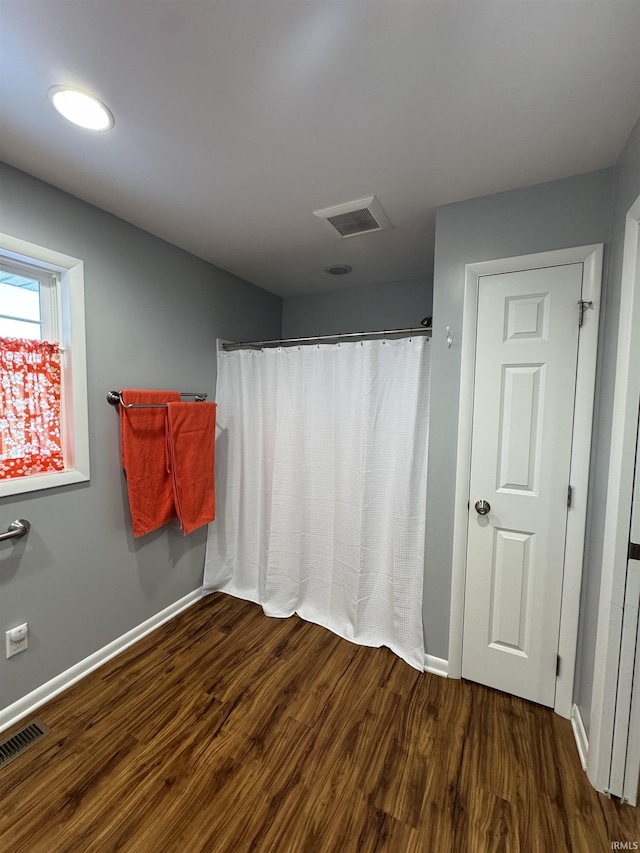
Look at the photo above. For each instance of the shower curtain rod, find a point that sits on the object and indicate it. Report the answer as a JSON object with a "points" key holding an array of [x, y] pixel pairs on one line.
{"points": [[420, 330]]}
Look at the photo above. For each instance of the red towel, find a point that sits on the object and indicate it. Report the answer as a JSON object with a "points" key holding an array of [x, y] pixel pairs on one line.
{"points": [[191, 436], [144, 458]]}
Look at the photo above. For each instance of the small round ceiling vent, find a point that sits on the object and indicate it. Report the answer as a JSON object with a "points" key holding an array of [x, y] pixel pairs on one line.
{"points": [[338, 269]]}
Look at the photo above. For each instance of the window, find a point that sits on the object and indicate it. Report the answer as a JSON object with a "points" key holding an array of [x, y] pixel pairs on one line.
{"points": [[27, 302], [43, 397]]}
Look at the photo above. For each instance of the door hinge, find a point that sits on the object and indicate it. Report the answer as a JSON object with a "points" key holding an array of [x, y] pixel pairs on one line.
{"points": [[582, 307], [634, 551], [557, 665], [569, 495]]}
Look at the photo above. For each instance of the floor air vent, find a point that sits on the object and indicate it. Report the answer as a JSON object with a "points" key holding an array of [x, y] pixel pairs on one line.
{"points": [[15, 745], [354, 217]]}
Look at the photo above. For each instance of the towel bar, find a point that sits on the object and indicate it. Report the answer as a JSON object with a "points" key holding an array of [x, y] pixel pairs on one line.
{"points": [[115, 398]]}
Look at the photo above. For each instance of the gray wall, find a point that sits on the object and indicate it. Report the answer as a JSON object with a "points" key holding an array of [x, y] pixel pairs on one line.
{"points": [[152, 316], [392, 305], [570, 212], [626, 188]]}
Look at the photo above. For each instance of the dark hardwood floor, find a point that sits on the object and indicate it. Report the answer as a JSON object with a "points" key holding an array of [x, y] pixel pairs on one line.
{"points": [[226, 731]]}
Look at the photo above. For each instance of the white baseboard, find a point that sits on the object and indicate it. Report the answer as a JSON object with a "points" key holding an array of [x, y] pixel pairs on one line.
{"points": [[438, 666], [580, 734], [13, 713]]}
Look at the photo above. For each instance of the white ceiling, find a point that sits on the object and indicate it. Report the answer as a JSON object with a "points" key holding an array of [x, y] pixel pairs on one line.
{"points": [[235, 120]]}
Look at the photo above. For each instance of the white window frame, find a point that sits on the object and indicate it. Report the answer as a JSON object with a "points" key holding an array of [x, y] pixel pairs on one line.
{"points": [[69, 298], [49, 294]]}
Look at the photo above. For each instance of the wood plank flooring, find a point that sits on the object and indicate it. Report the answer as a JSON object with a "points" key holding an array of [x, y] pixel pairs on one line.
{"points": [[226, 731]]}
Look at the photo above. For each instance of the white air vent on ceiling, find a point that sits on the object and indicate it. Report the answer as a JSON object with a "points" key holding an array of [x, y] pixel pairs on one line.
{"points": [[354, 217]]}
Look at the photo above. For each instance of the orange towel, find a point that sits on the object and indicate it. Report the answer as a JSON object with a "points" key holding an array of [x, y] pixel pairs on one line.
{"points": [[191, 436], [144, 459]]}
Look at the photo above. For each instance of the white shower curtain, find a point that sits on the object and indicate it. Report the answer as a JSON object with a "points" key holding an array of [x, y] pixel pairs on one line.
{"points": [[321, 457]]}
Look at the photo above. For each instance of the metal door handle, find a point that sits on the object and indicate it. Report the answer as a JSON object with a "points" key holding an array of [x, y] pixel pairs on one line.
{"points": [[17, 528], [482, 507]]}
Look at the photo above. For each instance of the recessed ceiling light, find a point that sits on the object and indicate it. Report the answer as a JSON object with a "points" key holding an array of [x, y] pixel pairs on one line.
{"points": [[81, 108]]}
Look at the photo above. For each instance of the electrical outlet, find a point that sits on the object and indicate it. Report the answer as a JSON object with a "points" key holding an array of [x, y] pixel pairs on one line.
{"points": [[17, 640]]}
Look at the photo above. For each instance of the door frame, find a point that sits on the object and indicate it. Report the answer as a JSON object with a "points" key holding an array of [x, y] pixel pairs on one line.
{"points": [[591, 257], [626, 399]]}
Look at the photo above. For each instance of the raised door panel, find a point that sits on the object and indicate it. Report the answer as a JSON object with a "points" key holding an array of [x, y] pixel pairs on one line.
{"points": [[510, 619], [519, 427]]}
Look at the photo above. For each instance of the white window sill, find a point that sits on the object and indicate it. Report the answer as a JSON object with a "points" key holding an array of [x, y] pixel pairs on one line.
{"points": [[36, 482]]}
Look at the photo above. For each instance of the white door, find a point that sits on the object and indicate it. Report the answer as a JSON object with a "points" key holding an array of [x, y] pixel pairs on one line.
{"points": [[625, 758], [524, 393]]}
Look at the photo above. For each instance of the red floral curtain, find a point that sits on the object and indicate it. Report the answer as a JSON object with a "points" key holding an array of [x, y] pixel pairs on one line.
{"points": [[30, 441]]}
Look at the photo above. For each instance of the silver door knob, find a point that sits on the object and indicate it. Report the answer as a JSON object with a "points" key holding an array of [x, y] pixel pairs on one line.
{"points": [[482, 507]]}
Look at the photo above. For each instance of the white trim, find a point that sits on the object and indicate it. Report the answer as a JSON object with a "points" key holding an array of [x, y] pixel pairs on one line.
{"points": [[631, 773], [74, 364], [579, 479], [29, 703], [591, 256], [624, 421], [437, 666], [580, 734]]}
